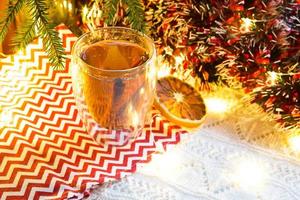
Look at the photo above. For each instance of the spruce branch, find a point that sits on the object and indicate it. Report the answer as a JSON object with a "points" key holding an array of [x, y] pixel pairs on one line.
{"points": [[25, 34], [135, 13], [110, 10], [13, 9], [50, 37]]}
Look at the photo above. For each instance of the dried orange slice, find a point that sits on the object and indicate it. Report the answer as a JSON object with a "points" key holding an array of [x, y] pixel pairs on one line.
{"points": [[179, 102]]}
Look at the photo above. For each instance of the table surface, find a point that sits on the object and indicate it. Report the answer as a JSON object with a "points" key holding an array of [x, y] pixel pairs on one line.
{"points": [[45, 151]]}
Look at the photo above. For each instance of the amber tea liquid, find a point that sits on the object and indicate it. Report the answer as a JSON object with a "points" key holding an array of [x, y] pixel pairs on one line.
{"points": [[115, 103], [114, 55]]}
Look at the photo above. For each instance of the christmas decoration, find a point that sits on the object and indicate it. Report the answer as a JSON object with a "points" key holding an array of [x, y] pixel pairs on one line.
{"points": [[37, 22], [67, 12], [5, 47], [43, 15], [248, 44], [114, 12], [179, 102]]}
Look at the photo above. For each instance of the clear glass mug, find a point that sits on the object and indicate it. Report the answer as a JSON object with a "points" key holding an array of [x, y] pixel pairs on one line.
{"points": [[114, 104]]}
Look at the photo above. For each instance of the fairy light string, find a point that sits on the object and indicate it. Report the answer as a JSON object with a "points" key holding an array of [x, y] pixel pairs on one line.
{"points": [[252, 45]]}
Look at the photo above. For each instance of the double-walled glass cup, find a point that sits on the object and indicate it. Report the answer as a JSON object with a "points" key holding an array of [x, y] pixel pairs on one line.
{"points": [[114, 103]]}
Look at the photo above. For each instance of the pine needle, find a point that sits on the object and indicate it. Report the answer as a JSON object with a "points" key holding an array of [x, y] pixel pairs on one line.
{"points": [[25, 34], [51, 40], [110, 10], [135, 13], [11, 13]]}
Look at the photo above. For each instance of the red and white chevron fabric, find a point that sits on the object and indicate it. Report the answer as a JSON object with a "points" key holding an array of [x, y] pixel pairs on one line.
{"points": [[45, 153]]}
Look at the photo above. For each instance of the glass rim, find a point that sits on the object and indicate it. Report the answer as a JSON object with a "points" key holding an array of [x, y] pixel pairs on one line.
{"points": [[148, 39]]}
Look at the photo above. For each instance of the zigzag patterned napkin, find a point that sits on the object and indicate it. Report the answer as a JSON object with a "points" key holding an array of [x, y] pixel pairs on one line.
{"points": [[44, 150]]}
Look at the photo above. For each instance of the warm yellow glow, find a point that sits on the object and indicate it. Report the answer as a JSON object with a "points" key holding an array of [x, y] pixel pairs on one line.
{"points": [[246, 25], [19, 53], [85, 11], [179, 60], [142, 91], [152, 72], [294, 142], [248, 174], [130, 108], [166, 165], [217, 104], [272, 79], [163, 71], [5, 117], [70, 6], [65, 3], [135, 119]]}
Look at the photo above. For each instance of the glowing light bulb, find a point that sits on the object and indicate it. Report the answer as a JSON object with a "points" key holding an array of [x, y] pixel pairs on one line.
{"points": [[247, 25], [163, 71], [272, 79], [249, 174], [70, 6], [179, 60], [85, 11], [294, 142], [217, 105], [65, 3], [166, 165]]}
